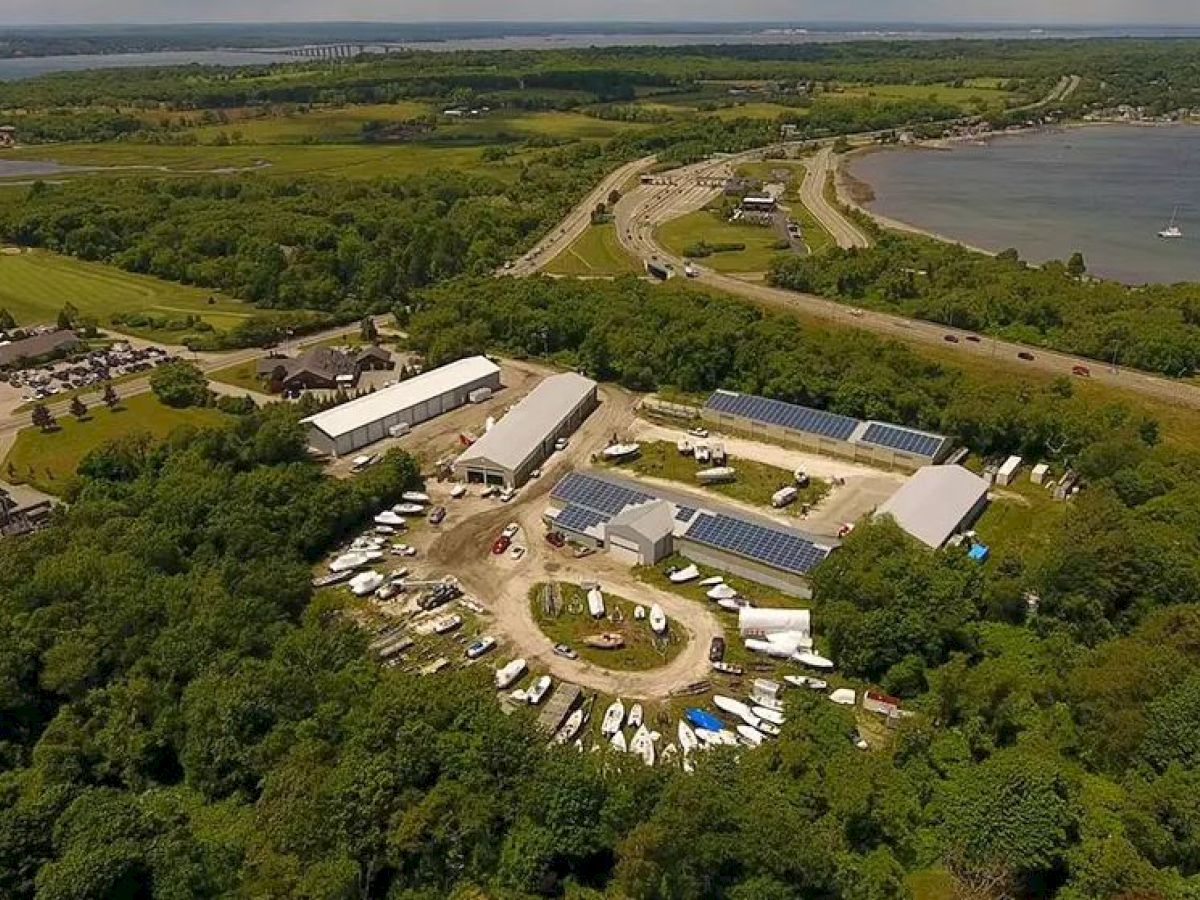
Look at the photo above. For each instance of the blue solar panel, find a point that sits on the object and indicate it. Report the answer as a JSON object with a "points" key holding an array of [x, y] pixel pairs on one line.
{"points": [[904, 439], [785, 415], [595, 493], [774, 547], [683, 513], [576, 518]]}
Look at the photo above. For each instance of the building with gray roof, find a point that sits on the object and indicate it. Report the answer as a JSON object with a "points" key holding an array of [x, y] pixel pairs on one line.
{"points": [[937, 502], [521, 441]]}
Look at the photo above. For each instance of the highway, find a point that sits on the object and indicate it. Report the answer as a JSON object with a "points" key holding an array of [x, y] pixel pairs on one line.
{"points": [[818, 169]]}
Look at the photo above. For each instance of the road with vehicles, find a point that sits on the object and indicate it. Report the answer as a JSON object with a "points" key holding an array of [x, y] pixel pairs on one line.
{"points": [[818, 169]]}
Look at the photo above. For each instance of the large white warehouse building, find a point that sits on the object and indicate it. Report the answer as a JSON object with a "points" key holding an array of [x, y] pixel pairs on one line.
{"points": [[349, 426], [937, 502], [521, 441]]}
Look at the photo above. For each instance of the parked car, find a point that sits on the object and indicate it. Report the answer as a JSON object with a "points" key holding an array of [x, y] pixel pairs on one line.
{"points": [[510, 530], [555, 539], [1081, 371], [698, 432], [1025, 355], [516, 552], [501, 545], [436, 515], [507, 494], [561, 444], [952, 338], [716, 649], [566, 652]]}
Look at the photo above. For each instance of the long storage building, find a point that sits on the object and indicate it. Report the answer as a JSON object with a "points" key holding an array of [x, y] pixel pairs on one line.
{"points": [[878, 443], [937, 502], [364, 420], [521, 441]]}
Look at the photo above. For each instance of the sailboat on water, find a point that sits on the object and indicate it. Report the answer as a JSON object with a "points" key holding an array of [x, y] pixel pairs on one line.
{"points": [[1172, 231]]}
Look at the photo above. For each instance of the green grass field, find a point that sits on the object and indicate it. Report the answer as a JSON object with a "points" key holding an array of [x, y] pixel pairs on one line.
{"points": [[755, 483], [681, 233], [35, 285], [595, 252], [241, 375], [335, 124], [757, 111], [48, 460], [974, 96], [643, 649]]}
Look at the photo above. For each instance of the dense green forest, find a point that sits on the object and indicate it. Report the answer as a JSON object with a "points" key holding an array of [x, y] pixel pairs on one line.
{"points": [[181, 717], [1154, 327]]}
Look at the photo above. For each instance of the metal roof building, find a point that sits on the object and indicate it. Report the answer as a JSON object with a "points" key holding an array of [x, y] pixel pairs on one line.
{"points": [[880, 443], [521, 441], [936, 502], [349, 426], [644, 525]]}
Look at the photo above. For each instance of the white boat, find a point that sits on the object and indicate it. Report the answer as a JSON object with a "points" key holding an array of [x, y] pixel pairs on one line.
{"points": [[635, 716], [643, 745], [621, 451], [727, 668], [768, 729], [570, 727], [735, 708], [387, 517], [458, 492], [843, 697], [538, 691], [770, 648], [684, 446], [702, 453], [507, 674], [365, 583], [658, 619], [721, 591], [707, 738], [711, 580], [687, 738], [815, 684], [519, 695], [614, 718], [618, 742], [639, 612], [481, 646], [408, 509], [813, 660], [684, 575], [727, 737], [766, 714], [595, 601], [1172, 231], [414, 497], [784, 496], [800, 477], [716, 475], [752, 737], [446, 624], [348, 562], [734, 604]]}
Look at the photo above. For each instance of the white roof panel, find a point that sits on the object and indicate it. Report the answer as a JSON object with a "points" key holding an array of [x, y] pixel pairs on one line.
{"points": [[934, 502], [345, 417], [514, 438]]}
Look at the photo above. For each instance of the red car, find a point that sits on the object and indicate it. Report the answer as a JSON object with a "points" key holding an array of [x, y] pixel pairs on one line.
{"points": [[555, 539], [501, 545]]}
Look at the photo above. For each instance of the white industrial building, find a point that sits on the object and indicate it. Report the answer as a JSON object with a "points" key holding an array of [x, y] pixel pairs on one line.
{"points": [[936, 502], [642, 532], [364, 420], [520, 442]]}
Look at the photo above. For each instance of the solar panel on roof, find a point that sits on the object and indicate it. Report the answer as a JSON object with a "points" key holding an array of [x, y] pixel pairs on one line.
{"points": [[779, 549], [595, 493], [905, 440], [576, 518], [683, 513], [785, 415]]}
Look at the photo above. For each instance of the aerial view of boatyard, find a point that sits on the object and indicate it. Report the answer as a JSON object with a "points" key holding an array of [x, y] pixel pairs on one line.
{"points": [[616, 450]]}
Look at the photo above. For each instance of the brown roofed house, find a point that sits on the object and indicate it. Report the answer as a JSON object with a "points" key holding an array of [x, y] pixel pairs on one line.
{"points": [[323, 368]]}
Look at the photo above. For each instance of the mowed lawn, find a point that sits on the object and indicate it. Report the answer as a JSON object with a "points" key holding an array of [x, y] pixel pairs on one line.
{"points": [[703, 225], [342, 123], [36, 284], [595, 252], [47, 460]]}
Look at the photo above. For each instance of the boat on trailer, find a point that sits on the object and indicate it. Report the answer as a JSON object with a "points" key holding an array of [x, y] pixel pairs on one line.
{"points": [[658, 619]]}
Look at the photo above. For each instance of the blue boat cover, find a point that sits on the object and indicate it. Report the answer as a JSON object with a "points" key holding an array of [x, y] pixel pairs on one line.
{"points": [[702, 719]]}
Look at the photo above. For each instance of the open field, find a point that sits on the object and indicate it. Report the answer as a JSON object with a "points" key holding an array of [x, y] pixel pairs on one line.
{"points": [[642, 650], [755, 483], [501, 124], [1019, 514], [36, 284], [966, 96], [47, 460], [702, 225], [239, 375], [757, 110], [336, 124], [595, 252]]}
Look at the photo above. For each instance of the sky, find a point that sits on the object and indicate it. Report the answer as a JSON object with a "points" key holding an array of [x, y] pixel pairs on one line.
{"points": [[1147, 12]]}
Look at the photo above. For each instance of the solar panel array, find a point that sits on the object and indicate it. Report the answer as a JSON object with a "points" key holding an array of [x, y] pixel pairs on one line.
{"points": [[683, 513], [785, 415], [773, 547], [576, 518], [595, 493], [905, 440]]}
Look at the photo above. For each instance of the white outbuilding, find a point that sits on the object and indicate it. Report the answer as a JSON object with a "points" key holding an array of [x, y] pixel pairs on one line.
{"points": [[936, 502], [364, 420], [521, 441]]}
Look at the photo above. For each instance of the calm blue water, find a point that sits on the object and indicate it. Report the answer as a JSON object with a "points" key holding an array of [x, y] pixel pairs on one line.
{"points": [[29, 67], [1105, 191]]}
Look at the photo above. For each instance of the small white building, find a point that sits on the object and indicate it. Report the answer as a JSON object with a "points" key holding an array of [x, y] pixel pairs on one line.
{"points": [[642, 535], [525, 437], [364, 420], [936, 502], [1008, 471], [758, 622]]}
